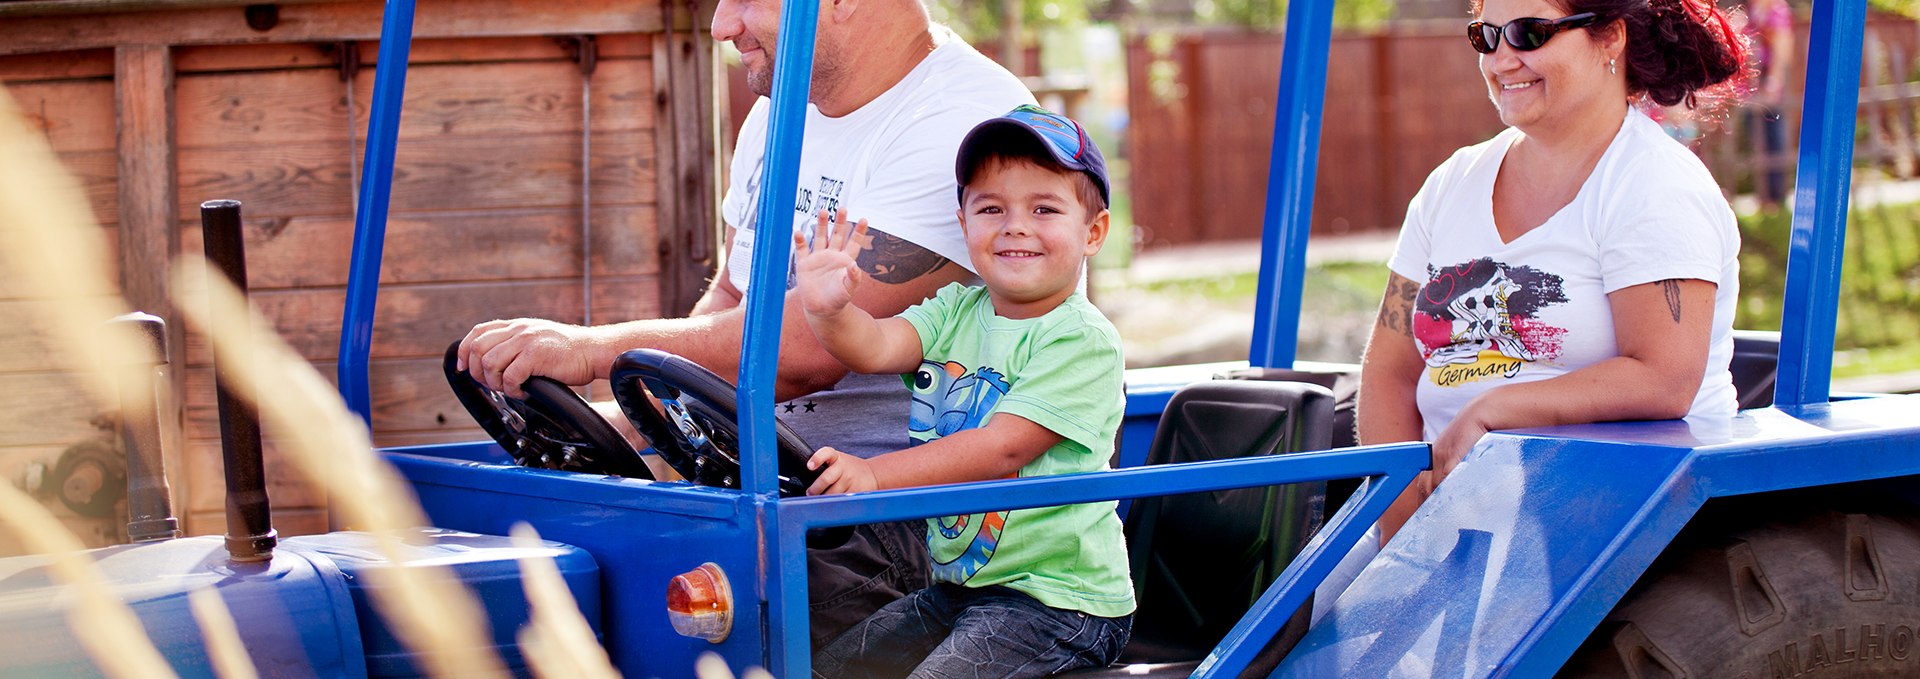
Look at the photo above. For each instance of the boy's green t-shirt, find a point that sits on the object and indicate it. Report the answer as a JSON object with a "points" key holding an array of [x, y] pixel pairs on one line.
{"points": [[1063, 371]]}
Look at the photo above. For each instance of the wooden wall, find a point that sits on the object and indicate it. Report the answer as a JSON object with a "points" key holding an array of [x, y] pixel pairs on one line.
{"points": [[157, 111]]}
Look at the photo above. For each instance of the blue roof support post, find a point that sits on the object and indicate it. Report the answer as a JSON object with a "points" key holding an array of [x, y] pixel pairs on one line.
{"points": [[370, 215], [784, 584], [1817, 246], [1290, 175]]}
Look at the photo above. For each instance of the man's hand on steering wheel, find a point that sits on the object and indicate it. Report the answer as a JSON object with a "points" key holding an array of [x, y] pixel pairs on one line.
{"points": [[502, 354]]}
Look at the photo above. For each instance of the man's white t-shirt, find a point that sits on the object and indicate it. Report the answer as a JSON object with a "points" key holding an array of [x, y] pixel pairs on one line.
{"points": [[1491, 313], [891, 163]]}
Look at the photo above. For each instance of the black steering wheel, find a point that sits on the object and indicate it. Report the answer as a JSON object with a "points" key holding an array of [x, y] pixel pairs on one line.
{"points": [[552, 428], [696, 435]]}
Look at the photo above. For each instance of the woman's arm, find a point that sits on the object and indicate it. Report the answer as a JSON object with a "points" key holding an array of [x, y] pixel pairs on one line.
{"points": [[1389, 372], [1663, 330]]}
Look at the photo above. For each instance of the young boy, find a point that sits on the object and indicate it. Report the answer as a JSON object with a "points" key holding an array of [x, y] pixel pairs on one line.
{"points": [[1021, 377]]}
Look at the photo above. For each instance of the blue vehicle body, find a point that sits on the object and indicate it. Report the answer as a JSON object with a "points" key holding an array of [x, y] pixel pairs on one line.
{"points": [[1504, 572]]}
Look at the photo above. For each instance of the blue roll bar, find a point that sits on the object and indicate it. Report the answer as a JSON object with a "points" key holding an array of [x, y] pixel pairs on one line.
{"points": [[1822, 184], [370, 216], [1290, 178], [1807, 330]]}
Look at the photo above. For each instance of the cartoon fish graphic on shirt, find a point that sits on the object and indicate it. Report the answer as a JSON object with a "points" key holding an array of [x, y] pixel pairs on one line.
{"points": [[947, 398]]}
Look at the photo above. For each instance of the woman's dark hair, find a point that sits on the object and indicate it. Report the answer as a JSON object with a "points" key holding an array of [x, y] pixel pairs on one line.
{"points": [[1677, 50]]}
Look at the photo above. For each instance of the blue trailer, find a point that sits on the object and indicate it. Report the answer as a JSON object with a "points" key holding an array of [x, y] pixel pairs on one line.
{"points": [[1779, 543]]}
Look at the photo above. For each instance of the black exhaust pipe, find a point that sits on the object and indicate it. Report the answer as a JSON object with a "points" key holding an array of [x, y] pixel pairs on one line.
{"points": [[149, 512], [250, 535]]}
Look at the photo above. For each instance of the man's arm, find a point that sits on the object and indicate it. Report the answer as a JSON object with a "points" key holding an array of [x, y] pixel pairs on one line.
{"points": [[503, 353], [720, 295]]}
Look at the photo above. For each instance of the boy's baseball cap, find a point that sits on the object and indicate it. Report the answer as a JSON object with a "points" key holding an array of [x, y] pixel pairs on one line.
{"points": [[1060, 135]]}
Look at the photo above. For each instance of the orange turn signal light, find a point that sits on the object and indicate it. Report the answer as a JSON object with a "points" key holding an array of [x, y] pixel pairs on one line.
{"points": [[700, 603]]}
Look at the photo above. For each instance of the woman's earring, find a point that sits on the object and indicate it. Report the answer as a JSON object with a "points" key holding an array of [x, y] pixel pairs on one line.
{"points": [[1610, 68]]}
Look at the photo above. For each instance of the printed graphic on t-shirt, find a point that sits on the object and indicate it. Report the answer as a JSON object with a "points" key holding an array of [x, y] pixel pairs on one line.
{"points": [[947, 397], [1480, 320], [807, 202]]}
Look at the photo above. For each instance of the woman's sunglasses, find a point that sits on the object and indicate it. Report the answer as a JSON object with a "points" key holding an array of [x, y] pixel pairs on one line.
{"points": [[1525, 34]]}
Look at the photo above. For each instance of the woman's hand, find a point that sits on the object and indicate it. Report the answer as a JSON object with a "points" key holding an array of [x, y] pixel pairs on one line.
{"points": [[825, 271], [1458, 438], [843, 473]]}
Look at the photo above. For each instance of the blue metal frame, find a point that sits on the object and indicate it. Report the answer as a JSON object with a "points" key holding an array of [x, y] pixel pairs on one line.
{"points": [[370, 219], [1290, 180], [1822, 187], [1390, 468], [1580, 574]]}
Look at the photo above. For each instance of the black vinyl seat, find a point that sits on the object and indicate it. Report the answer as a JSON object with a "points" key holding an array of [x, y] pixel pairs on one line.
{"points": [[1200, 560]]}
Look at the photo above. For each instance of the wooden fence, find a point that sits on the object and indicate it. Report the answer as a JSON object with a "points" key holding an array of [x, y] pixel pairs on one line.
{"points": [[1397, 104], [506, 136]]}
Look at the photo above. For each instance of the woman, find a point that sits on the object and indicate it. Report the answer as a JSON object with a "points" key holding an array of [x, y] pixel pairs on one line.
{"points": [[1578, 267]]}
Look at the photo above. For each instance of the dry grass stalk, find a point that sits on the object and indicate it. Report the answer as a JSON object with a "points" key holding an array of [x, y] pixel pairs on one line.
{"points": [[50, 245], [104, 625], [224, 647], [557, 640], [429, 611]]}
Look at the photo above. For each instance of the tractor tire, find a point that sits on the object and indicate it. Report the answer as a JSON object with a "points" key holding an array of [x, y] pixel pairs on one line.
{"points": [[1755, 589]]}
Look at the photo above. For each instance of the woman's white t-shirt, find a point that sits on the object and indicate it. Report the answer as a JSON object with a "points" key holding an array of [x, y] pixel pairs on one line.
{"points": [[1491, 313]]}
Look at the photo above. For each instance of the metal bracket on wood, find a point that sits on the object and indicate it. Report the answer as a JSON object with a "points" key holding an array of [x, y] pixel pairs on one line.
{"points": [[346, 58], [582, 49]]}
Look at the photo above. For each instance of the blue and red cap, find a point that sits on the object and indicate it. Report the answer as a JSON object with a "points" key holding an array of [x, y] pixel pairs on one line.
{"points": [[1063, 138]]}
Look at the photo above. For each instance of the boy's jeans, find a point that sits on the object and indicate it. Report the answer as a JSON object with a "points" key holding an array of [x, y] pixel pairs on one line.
{"points": [[952, 631]]}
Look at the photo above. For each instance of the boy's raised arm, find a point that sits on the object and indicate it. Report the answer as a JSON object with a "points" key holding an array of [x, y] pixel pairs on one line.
{"points": [[826, 274]]}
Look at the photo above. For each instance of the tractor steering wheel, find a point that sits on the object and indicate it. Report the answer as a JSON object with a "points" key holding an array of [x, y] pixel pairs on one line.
{"points": [[696, 435], [552, 428]]}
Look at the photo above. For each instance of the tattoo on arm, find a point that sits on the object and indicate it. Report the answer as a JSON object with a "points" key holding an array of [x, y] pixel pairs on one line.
{"points": [[1396, 308], [1672, 288], [893, 260]]}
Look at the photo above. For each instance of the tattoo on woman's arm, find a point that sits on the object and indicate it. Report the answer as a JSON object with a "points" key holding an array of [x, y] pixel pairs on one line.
{"points": [[1671, 286], [893, 260], [1396, 310]]}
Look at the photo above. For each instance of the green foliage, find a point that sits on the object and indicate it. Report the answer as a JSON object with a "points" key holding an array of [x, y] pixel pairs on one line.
{"points": [[1905, 8], [1877, 329], [979, 21], [1272, 14]]}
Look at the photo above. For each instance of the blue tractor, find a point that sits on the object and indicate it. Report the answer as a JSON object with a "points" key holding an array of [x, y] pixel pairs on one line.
{"points": [[1782, 544]]}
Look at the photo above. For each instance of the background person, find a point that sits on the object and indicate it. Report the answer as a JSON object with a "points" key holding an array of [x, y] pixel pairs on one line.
{"points": [[892, 95], [1579, 266]]}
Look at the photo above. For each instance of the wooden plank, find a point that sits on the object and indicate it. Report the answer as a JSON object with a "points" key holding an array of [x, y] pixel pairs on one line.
{"points": [[75, 115], [25, 344], [18, 8], [408, 395], [206, 478], [12, 288], [272, 107], [143, 105], [516, 99], [270, 56], [262, 107], [143, 101], [99, 175], [449, 173], [20, 68], [419, 321], [44, 409], [686, 138], [328, 23], [301, 252]]}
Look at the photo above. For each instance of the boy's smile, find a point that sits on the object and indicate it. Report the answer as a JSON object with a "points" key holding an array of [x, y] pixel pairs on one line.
{"points": [[1028, 235]]}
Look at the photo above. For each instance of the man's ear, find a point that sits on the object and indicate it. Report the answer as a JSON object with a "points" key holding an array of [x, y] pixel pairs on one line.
{"points": [[843, 9], [1096, 233]]}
